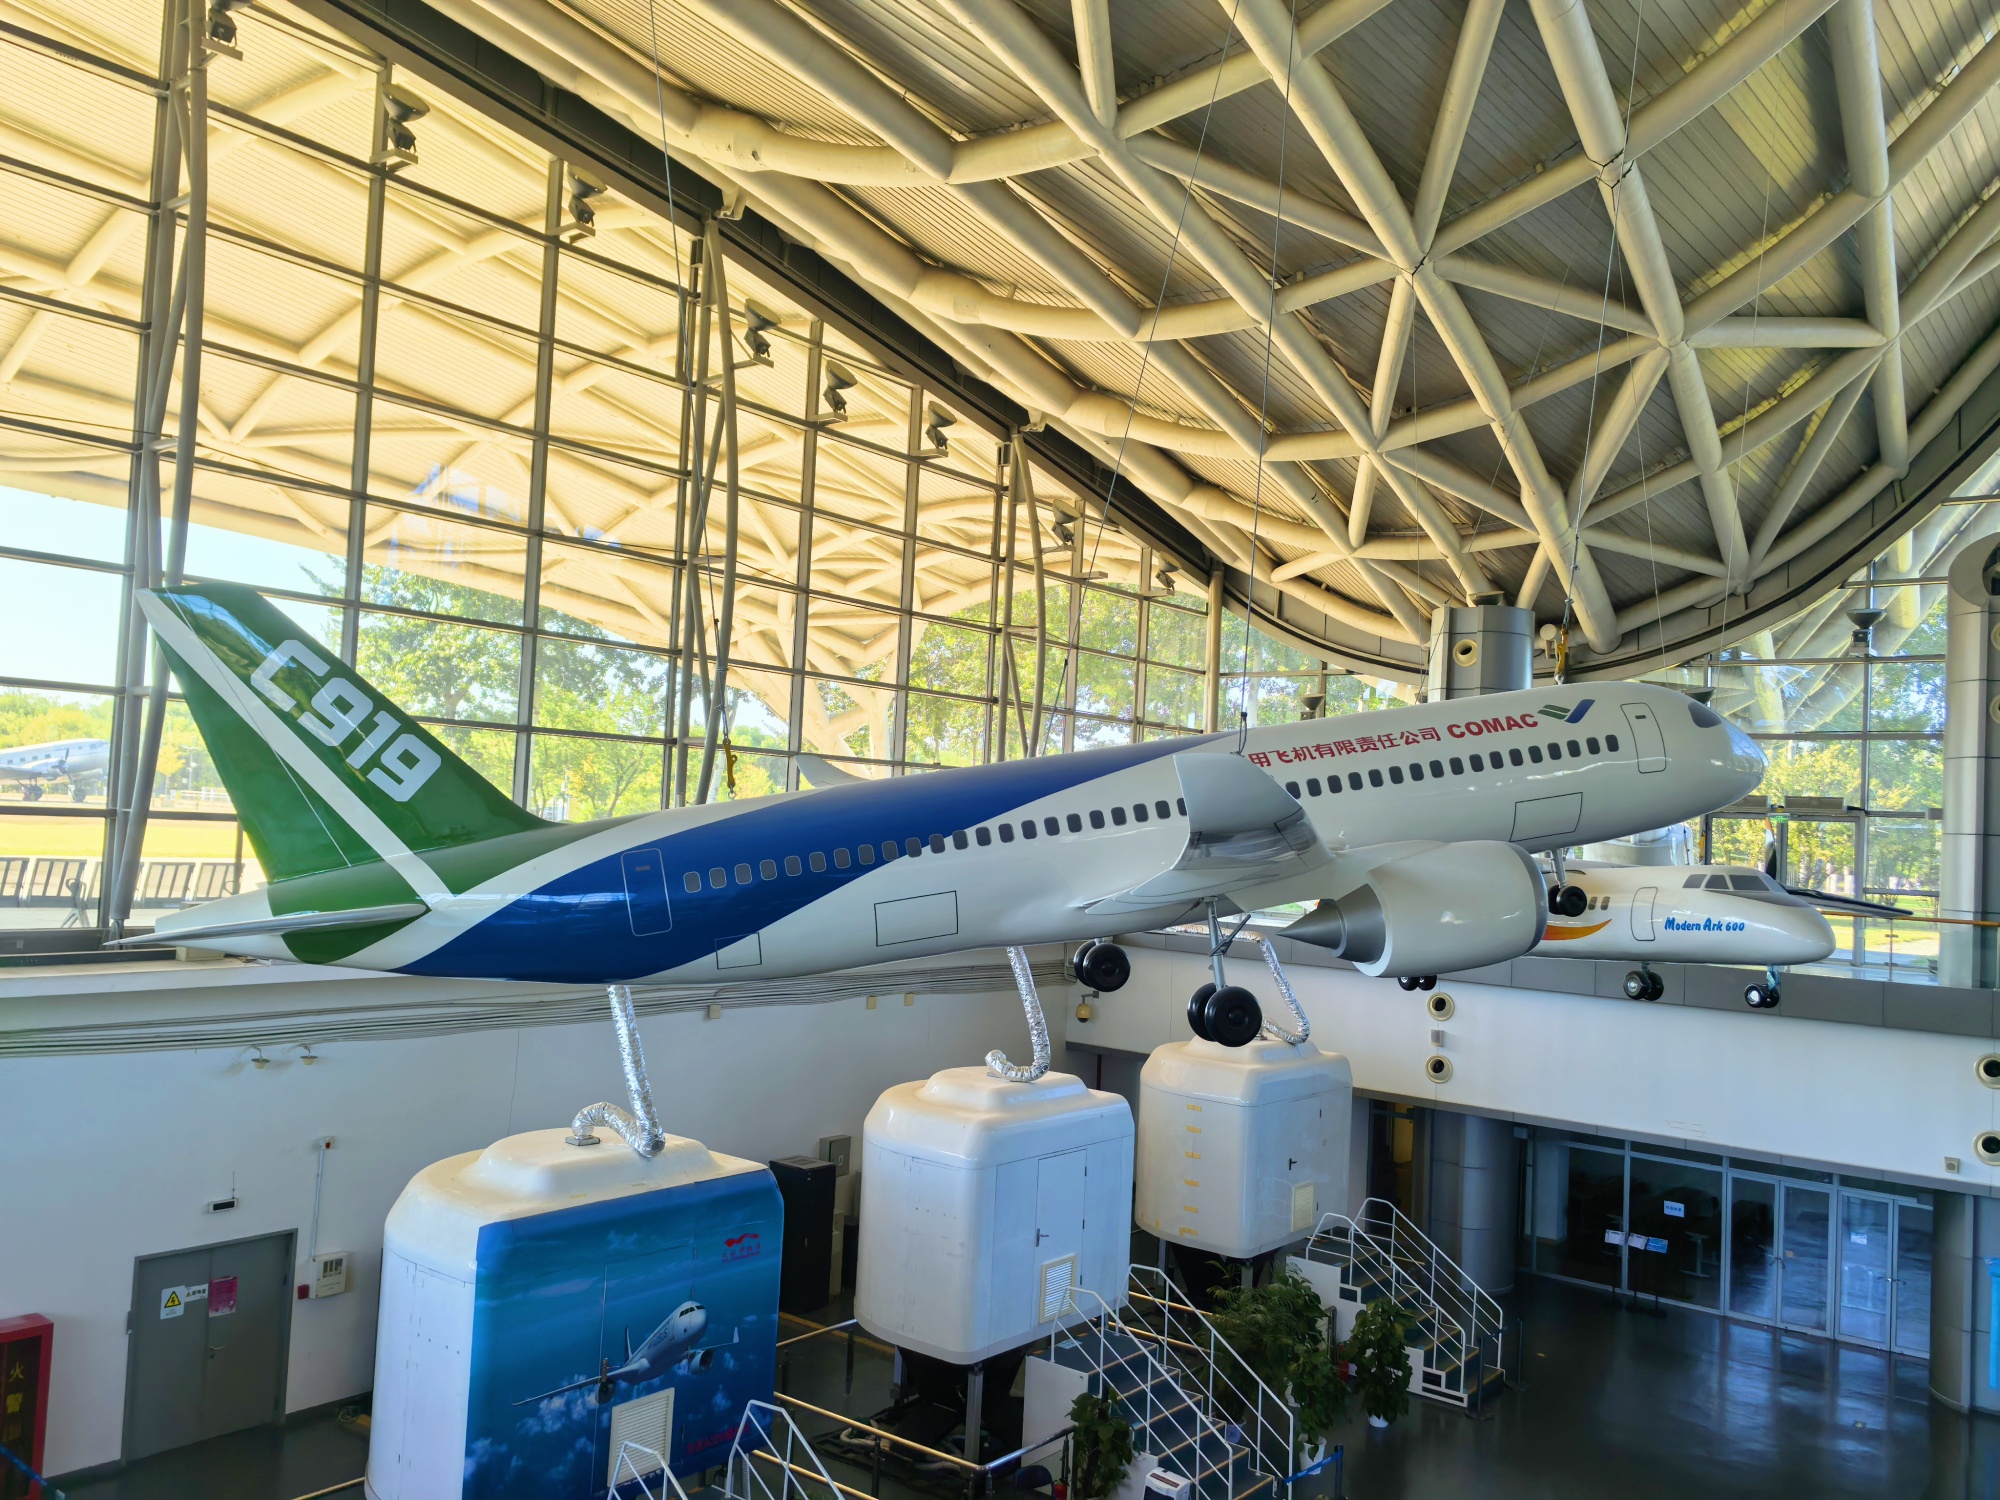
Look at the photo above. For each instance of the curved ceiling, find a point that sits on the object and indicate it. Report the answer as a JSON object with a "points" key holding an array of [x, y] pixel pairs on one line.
{"points": [[1633, 311]]}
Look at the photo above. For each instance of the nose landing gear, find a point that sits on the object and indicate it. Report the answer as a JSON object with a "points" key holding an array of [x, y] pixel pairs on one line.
{"points": [[1643, 984], [1763, 996], [1566, 900]]}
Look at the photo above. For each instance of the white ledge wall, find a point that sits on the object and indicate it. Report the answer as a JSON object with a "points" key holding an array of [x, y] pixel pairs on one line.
{"points": [[114, 1155], [1872, 1099]]}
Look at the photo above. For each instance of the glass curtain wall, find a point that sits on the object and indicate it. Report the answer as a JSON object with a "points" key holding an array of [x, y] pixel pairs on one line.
{"points": [[453, 394], [1814, 1252], [1853, 725]]}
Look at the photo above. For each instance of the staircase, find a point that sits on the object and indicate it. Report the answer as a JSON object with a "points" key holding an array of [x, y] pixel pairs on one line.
{"points": [[1461, 1338], [772, 1460], [1172, 1413]]}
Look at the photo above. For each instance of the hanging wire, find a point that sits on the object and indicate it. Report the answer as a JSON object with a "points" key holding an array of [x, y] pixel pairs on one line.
{"points": [[666, 156], [1145, 355], [1597, 369], [1264, 394]]}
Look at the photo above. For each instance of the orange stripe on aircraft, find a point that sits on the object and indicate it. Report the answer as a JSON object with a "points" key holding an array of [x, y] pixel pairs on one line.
{"points": [[1563, 934]]}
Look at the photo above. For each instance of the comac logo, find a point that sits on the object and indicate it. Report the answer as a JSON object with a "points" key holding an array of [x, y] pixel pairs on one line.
{"points": [[402, 763], [1566, 715], [743, 1246]]}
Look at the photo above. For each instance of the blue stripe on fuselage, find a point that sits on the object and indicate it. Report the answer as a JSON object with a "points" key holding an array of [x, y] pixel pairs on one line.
{"points": [[575, 929]]}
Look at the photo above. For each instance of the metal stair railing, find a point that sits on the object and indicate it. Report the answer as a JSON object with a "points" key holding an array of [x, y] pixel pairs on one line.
{"points": [[1374, 1266], [1192, 1347], [768, 1435], [1091, 1323], [626, 1469], [1471, 1304]]}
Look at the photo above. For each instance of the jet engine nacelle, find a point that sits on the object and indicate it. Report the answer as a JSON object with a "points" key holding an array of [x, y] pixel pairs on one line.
{"points": [[1453, 906]]}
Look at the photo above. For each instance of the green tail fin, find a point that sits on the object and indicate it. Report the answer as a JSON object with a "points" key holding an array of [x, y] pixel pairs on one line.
{"points": [[325, 772]]}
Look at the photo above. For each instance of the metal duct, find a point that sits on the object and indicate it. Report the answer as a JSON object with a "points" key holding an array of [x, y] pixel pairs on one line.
{"points": [[1272, 1028], [640, 1127], [1038, 1026]]}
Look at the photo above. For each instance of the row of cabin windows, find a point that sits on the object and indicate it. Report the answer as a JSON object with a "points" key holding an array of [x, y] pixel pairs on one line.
{"points": [[864, 854], [1436, 768]]}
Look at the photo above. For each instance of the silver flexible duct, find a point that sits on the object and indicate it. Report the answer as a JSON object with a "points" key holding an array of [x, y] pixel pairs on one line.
{"points": [[1271, 1028], [639, 1127], [1038, 1026]]}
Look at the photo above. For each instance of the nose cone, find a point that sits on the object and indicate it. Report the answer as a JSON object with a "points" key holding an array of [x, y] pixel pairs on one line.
{"points": [[1803, 935], [1743, 760]]}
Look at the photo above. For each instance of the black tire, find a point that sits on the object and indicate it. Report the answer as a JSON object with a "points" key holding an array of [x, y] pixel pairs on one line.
{"points": [[1103, 967], [31, 793], [1638, 986], [1427, 981], [1198, 1012], [1234, 1017], [1656, 988], [1568, 901], [1407, 982], [1760, 996]]}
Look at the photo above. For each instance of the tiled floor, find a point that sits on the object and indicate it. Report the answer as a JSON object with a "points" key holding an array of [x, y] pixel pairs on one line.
{"points": [[1617, 1403]]}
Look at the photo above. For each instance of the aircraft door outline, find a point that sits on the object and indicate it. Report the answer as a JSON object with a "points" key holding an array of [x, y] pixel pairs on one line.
{"points": [[1647, 740], [1642, 913]]}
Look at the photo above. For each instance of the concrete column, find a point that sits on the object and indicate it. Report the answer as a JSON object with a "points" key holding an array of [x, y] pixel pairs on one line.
{"points": [[1484, 649], [1965, 1252], [1970, 873], [1475, 1177]]}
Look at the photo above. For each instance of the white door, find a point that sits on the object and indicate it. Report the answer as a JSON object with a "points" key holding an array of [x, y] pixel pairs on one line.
{"points": [[1642, 913], [1059, 1187], [1647, 740]]}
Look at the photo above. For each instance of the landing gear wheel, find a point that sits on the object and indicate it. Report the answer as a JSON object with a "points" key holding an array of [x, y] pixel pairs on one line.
{"points": [[1427, 981], [1638, 986], [1655, 987], [31, 793], [1406, 982], [1103, 967], [1760, 996], [1568, 901], [1198, 1012], [1233, 1016]]}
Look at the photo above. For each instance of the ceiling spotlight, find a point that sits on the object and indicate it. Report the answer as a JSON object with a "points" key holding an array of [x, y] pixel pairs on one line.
{"points": [[1863, 640], [757, 325], [1165, 579], [221, 35], [838, 384], [1310, 705], [399, 108], [935, 422], [1063, 532], [579, 218]]}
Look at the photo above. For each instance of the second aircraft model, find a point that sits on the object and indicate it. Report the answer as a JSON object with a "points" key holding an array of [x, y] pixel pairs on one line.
{"points": [[1412, 828]]}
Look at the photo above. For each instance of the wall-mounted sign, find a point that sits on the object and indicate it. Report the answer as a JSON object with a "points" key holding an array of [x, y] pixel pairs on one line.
{"points": [[1676, 1210], [221, 1296]]}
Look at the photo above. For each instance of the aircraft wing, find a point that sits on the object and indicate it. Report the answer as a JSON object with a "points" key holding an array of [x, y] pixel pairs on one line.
{"points": [[1243, 830], [1833, 901], [564, 1390]]}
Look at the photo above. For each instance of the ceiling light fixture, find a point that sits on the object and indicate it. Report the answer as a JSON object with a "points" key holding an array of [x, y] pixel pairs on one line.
{"points": [[579, 220], [834, 396], [936, 421], [399, 143]]}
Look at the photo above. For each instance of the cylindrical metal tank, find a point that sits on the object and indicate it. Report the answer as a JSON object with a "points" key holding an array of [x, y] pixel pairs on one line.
{"points": [[1487, 648], [1969, 875], [543, 1304], [984, 1205], [1241, 1149]]}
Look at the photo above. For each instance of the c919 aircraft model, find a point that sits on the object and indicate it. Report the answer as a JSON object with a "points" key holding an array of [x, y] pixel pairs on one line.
{"points": [[1410, 827]]}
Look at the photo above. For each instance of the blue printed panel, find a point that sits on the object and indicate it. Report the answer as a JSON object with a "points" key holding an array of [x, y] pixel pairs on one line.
{"points": [[566, 1304]]}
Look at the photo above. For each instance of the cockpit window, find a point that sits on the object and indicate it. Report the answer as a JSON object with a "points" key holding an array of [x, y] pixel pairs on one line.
{"points": [[1695, 882], [1747, 882], [1718, 882], [1704, 717]]}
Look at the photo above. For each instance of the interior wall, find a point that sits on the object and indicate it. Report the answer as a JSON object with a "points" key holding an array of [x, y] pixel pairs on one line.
{"points": [[1887, 1102], [111, 1157]]}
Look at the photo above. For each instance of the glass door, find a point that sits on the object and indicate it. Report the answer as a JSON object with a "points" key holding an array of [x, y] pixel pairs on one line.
{"points": [[1805, 1217], [1912, 1302], [1866, 1267], [1753, 1247]]}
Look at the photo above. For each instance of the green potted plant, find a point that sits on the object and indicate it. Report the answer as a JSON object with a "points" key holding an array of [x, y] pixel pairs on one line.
{"points": [[1100, 1447], [1379, 1351], [1279, 1332]]}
